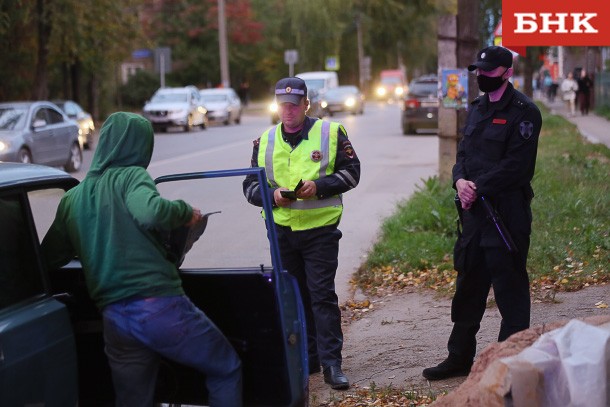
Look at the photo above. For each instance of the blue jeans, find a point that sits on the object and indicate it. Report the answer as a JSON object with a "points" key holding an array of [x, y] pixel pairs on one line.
{"points": [[137, 331]]}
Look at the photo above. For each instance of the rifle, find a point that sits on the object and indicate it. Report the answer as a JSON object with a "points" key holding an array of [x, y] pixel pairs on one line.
{"points": [[497, 221]]}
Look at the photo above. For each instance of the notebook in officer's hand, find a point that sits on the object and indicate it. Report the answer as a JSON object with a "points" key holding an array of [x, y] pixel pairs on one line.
{"points": [[180, 240]]}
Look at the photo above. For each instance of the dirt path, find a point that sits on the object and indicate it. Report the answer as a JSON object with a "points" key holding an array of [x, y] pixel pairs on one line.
{"points": [[408, 331]]}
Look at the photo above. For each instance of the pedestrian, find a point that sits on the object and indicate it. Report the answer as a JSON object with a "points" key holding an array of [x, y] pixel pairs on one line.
{"points": [[112, 222], [569, 87], [547, 83], [495, 164], [584, 92], [320, 154]]}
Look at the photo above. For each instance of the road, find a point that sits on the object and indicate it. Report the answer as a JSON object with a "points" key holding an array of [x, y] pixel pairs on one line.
{"points": [[392, 167]]}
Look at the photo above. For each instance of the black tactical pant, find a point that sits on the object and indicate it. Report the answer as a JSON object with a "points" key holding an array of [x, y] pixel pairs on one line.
{"points": [[312, 257], [480, 268]]}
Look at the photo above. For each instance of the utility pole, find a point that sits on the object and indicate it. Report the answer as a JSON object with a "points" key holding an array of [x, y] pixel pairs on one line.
{"points": [[222, 44], [457, 48], [361, 72]]}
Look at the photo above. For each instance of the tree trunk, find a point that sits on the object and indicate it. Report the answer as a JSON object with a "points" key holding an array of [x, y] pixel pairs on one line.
{"points": [[41, 90]]}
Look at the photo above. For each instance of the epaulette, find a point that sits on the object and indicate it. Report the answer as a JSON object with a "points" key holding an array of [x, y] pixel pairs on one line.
{"points": [[477, 100]]}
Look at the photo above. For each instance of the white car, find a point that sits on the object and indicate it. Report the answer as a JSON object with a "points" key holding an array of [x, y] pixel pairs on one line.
{"points": [[176, 107], [223, 105]]}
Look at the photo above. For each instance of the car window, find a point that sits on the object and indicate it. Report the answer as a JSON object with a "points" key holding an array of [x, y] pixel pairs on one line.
{"points": [[71, 109], [12, 118], [20, 275], [40, 114], [170, 97], [423, 88], [54, 116], [43, 204]]}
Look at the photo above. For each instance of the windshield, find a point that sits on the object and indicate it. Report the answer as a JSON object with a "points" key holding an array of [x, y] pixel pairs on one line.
{"points": [[214, 98], [423, 88], [12, 118], [169, 97], [340, 92], [391, 80], [314, 83]]}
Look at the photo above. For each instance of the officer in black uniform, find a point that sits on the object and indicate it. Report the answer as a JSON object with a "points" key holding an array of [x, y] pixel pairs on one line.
{"points": [[495, 162], [310, 252]]}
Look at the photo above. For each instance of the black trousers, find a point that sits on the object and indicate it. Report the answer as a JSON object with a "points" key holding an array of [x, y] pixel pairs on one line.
{"points": [[312, 257], [480, 268]]}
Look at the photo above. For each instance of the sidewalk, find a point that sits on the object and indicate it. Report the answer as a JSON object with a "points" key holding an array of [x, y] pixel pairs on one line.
{"points": [[594, 128]]}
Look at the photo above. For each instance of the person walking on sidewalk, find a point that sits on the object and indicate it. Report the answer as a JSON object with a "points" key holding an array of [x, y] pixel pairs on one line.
{"points": [[569, 87], [494, 164], [584, 92], [319, 154]]}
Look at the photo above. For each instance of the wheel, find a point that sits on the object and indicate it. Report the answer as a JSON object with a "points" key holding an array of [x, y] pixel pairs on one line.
{"points": [[24, 156], [189, 124], [75, 161], [238, 118]]}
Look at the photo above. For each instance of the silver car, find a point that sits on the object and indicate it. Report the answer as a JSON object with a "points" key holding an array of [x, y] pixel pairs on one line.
{"points": [[223, 105], [176, 107], [83, 118], [39, 132]]}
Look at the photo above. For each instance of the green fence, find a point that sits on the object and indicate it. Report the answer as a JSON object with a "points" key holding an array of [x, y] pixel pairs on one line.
{"points": [[602, 89]]}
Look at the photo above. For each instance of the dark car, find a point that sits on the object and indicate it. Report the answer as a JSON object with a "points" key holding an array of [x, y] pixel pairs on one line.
{"points": [[39, 132], [347, 98], [51, 339], [420, 105], [86, 127]]}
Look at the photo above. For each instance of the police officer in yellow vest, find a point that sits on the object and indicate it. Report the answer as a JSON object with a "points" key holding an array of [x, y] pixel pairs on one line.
{"points": [[319, 154]]}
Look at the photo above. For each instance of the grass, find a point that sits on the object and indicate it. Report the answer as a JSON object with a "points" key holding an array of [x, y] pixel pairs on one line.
{"points": [[570, 243], [603, 111], [570, 240]]}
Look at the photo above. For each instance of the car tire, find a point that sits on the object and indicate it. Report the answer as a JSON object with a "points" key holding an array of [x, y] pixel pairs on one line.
{"points": [[24, 156], [75, 161], [189, 124], [407, 128], [238, 119]]}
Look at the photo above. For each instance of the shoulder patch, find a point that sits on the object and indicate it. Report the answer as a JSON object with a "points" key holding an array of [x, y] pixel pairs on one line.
{"points": [[348, 149], [526, 129]]}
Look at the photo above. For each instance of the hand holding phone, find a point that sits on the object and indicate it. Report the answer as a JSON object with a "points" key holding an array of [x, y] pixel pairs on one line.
{"points": [[292, 195]]}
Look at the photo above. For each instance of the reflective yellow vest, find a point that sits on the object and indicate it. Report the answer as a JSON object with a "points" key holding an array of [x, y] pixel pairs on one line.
{"points": [[313, 158]]}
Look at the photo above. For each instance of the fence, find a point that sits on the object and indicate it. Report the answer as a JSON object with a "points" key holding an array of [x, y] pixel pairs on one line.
{"points": [[602, 89]]}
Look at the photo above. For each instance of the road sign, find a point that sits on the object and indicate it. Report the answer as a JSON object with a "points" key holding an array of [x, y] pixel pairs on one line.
{"points": [[291, 56], [332, 63]]}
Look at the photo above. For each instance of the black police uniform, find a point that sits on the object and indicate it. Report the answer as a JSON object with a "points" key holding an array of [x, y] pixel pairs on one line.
{"points": [[312, 255], [498, 153]]}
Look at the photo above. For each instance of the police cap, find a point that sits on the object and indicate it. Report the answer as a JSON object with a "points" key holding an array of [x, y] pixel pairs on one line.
{"points": [[290, 90], [492, 57]]}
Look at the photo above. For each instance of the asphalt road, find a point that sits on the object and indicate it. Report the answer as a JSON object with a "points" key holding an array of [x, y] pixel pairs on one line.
{"points": [[392, 167]]}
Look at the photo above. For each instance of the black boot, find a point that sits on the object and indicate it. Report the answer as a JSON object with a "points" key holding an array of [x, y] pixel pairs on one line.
{"points": [[446, 369], [335, 377]]}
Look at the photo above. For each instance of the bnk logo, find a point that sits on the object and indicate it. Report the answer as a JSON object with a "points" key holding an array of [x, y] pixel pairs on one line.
{"points": [[555, 22]]}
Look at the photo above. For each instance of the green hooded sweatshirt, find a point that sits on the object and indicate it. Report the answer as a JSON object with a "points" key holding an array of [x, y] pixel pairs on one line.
{"points": [[112, 220]]}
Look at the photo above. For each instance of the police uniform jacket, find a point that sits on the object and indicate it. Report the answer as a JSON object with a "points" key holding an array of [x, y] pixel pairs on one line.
{"points": [[498, 153], [345, 177]]}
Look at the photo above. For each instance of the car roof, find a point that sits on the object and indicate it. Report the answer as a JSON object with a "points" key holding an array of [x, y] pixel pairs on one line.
{"points": [[26, 103], [176, 90], [220, 91], [18, 174]]}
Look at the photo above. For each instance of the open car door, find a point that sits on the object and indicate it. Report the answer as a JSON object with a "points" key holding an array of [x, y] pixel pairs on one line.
{"points": [[233, 273]]}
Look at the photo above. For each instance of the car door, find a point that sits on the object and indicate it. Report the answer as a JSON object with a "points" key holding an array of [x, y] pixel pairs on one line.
{"points": [[41, 141], [233, 273], [38, 363], [64, 132]]}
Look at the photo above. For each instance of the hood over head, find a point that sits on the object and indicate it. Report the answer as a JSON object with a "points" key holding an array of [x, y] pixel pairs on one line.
{"points": [[126, 139]]}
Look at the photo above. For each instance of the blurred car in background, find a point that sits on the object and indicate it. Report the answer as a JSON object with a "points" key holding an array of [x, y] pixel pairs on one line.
{"points": [[419, 109], [176, 107], [39, 132], [223, 105], [86, 127], [346, 98], [391, 85], [315, 106]]}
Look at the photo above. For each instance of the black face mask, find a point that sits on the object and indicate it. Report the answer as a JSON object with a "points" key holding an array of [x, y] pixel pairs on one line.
{"points": [[489, 84]]}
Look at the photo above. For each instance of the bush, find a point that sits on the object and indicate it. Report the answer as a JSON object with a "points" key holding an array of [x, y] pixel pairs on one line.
{"points": [[138, 89]]}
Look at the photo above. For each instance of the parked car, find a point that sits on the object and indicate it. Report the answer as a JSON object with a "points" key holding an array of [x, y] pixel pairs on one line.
{"points": [[39, 132], [52, 347], [347, 98], [315, 106], [419, 109], [223, 105], [86, 127], [176, 107]]}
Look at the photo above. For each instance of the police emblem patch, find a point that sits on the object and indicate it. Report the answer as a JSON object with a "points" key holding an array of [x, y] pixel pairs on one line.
{"points": [[316, 156], [348, 149], [526, 129], [288, 89]]}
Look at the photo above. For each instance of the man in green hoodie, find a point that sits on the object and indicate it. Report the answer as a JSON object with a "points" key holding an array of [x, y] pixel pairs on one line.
{"points": [[112, 221]]}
